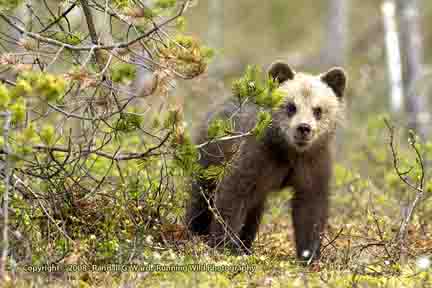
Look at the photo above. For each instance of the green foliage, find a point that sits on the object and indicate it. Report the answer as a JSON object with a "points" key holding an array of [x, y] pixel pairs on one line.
{"points": [[188, 54], [207, 53], [173, 118], [249, 85], [29, 133], [258, 88], [121, 3], [47, 86], [271, 97], [9, 4], [254, 86], [10, 101], [123, 72], [186, 155], [47, 134], [164, 4], [213, 172], [149, 13], [185, 41], [23, 88], [4, 96], [128, 122], [219, 128], [264, 120], [18, 110], [71, 38], [181, 24]]}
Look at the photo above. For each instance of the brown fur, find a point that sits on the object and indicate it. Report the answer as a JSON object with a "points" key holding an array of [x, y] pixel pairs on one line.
{"points": [[286, 156]]}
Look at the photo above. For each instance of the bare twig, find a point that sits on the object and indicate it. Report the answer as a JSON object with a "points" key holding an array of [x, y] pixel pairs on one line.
{"points": [[225, 138], [332, 240], [92, 31], [88, 123], [418, 187], [8, 172], [125, 44], [67, 11], [44, 209], [116, 157]]}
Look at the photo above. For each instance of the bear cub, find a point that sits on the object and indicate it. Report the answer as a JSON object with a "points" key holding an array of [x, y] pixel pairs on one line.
{"points": [[295, 151]]}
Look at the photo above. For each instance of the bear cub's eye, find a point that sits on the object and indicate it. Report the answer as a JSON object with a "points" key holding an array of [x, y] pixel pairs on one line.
{"points": [[291, 109], [317, 111]]}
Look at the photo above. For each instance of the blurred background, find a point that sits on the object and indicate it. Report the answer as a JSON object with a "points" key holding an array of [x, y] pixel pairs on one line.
{"points": [[313, 36]]}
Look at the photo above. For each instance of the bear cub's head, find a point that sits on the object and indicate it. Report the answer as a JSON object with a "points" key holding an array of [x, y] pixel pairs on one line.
{"points": [[312, 105]]}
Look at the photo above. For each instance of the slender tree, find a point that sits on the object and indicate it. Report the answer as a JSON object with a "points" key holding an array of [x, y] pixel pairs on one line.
{"points": [[411, 39], [393, 52], [335, 50]]}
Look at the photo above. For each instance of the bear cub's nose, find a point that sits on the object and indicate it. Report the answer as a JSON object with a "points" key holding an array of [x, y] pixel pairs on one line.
{"points": [[304, 130]]}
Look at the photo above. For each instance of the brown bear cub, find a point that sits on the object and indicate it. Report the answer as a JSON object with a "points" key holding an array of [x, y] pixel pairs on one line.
{"points": [[295, 151]]}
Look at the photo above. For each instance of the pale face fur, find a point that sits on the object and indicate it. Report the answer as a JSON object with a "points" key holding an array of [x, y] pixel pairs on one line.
{"points": [[309, 104]]}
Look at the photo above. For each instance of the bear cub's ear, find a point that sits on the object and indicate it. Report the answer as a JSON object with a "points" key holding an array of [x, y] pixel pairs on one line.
{"points": [[336, 79], [281, 72]]}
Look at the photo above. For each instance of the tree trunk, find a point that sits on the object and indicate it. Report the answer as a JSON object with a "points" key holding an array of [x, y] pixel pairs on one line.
{"points": [[411, 38], [335, 50], [393, 52]]}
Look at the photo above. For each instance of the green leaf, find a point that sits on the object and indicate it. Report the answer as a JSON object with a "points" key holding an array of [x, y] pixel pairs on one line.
{"points": [[219, 128], [18, 110], [22, 88], [264, 119], [254, 86], [123, 72], [47, 134], [181, 23], [48, 86], [129, 122], [4, 96], [164, 4], [9, 4]]}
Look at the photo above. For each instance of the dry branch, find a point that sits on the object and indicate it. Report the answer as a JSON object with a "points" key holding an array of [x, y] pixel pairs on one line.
{"points": [[7, 169], [125, 44], [417, 187]]}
